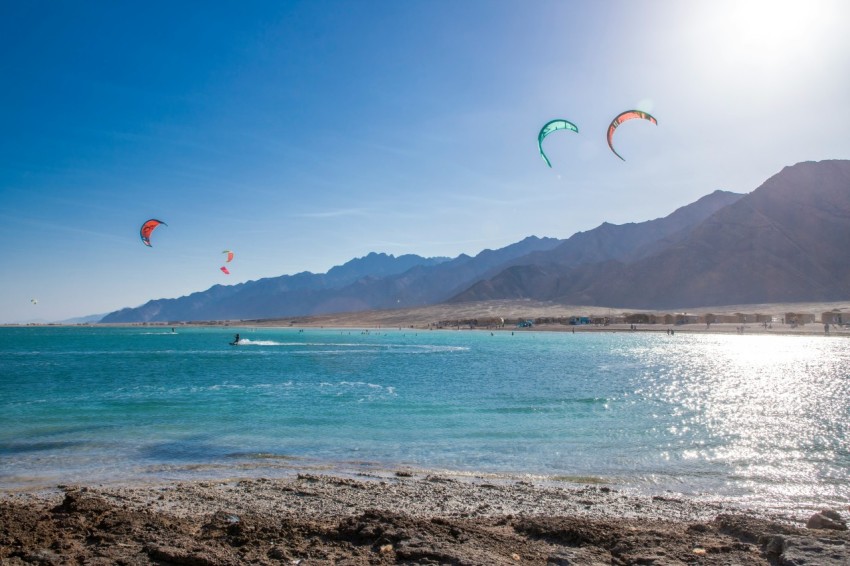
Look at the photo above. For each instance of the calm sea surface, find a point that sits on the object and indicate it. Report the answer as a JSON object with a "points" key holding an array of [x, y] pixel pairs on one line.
{"points": [[763, 420]]}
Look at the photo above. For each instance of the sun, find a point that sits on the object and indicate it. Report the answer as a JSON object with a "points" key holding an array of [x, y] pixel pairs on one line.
{"points": [[762, 36]]}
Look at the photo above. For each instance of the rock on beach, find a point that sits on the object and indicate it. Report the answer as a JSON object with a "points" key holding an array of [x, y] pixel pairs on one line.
{"points": [[407, 518]]}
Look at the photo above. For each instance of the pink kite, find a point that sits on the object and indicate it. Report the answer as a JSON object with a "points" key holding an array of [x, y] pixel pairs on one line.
{"points": [[623, 117]]}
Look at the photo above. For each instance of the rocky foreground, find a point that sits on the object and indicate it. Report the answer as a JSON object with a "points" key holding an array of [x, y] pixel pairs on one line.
{"points": [[403, 518]]}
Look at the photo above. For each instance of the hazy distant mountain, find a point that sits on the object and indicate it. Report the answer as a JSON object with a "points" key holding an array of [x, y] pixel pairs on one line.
{"points": [[376, 265], [372, 282], [634, 240], [784, 242], [270, 296], [83, 319], [431, 285], [428, 285]]}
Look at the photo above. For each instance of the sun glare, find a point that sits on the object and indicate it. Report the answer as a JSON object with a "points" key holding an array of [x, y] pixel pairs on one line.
{"points": [[769, 352], [762, 30], [762, 35]]}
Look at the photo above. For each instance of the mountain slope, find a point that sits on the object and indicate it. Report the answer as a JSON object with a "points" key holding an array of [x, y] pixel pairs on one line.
{"points": [[633, 240], [274, 294], [785, 241], [375, 281]]}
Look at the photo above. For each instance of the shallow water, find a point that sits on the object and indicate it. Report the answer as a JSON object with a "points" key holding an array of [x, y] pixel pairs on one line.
{"points": [[762, 420]]}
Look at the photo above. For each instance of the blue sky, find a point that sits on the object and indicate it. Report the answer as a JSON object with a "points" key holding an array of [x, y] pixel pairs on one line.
{"points": [[304, 134]]}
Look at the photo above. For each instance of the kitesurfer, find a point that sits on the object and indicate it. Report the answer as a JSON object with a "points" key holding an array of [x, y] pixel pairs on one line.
{"points": [[236, 340]]}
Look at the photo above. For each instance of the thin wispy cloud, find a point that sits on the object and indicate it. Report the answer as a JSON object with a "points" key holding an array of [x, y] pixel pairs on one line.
{"points": [[340, 213], [66, 227]]}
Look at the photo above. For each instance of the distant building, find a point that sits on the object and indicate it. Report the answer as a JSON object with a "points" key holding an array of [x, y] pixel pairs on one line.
{"points": [[641, 318], [835, 317], [798, 318]]}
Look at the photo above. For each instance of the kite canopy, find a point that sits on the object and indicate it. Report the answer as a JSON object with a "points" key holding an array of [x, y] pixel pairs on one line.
{"points": [[229, 255], [548, 128], [147, 228], [224, 270], [623, 117]]}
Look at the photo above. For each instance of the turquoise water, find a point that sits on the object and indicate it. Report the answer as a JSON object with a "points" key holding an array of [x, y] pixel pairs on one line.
{"points": [[759, 419]]}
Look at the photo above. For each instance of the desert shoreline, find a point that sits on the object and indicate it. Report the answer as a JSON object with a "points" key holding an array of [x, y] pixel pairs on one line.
{"points": [[503, 315], [811, 329], [486, 313]]}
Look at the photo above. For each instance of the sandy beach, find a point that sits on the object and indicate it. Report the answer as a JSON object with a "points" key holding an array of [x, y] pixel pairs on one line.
{"points": [[458, 316], [401, 517]]}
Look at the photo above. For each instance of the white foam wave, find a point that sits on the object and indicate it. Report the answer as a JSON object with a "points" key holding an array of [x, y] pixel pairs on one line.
{"points": [[373, 390], [249, 342], [349, 347]]}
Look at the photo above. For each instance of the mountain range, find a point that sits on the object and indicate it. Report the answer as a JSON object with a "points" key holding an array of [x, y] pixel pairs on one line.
{"points": [[785, 241]]}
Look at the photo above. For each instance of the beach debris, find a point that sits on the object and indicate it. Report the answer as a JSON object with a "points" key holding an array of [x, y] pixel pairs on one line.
{"points": [[624, 117], [775, 545], [279, 553], [820, 550], [548, 128], [147, 228], [826, 519]]}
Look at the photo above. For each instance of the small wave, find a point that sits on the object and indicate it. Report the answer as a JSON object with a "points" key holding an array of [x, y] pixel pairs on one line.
{"points": [[368, 391], [249, 342], [430, 349], [332, 348], [263, 456], [353, 384]]}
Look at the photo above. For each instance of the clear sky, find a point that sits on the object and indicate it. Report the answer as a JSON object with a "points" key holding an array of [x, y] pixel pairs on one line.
{"points": [[303, 134]]}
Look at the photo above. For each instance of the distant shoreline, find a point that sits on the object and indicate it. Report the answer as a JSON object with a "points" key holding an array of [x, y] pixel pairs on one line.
{"points": [[811, 329], [547, 316]]}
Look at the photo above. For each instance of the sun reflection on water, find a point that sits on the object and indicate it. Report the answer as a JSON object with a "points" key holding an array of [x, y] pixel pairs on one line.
{"points": [[774, 410]]}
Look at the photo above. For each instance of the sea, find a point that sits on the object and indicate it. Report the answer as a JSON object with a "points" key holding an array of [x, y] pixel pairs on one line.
{"points": [[761, 420]]}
